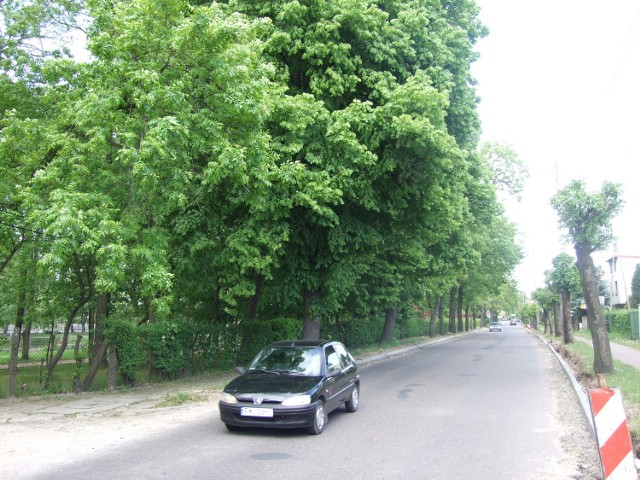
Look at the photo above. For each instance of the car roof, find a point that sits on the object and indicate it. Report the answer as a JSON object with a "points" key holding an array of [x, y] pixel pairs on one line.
{"points": [[300, 343]]}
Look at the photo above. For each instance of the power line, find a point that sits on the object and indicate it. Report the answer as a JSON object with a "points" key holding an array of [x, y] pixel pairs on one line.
{"points": [[626, 54]]}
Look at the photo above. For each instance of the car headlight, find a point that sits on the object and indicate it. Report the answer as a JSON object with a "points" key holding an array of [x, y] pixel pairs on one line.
{"points": [[297, 401], [228, 398]]}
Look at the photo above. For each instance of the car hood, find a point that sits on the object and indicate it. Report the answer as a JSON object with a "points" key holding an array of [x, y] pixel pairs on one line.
{"points": [[271, 383]]}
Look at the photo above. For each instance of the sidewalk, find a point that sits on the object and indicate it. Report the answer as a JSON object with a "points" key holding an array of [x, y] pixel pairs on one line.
{"points": [[622, 353]]}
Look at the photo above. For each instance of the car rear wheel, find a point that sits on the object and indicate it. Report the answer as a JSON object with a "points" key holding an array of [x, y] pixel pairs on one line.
{"points": [[319, 419], [351, 405]]}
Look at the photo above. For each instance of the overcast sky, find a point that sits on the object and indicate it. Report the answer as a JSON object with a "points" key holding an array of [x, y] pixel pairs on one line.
{"points": [[560, 81]]}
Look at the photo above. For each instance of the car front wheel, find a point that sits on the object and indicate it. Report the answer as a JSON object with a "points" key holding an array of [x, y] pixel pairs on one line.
{"points": [[319, 419], [351, 405]]}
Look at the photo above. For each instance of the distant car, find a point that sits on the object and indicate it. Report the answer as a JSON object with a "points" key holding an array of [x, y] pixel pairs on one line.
{"points": [[292, 384], [495, 327], [512, 322]]}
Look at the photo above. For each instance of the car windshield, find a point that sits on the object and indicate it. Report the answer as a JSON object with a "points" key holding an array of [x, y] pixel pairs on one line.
{"points": [[299, 360]]}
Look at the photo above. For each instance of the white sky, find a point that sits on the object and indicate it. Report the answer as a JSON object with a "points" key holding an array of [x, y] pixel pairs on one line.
{"points": [[560, 82]]}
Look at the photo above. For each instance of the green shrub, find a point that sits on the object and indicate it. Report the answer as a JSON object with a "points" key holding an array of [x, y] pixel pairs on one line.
{"points": [[256, 334], [219, 344], [164, 342], [411, 325], [618, 321], [361, 331], [125, 336]]}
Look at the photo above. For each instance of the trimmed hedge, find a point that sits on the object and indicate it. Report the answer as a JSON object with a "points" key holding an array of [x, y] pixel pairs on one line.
{"points": [[256, 334], [618, 321]]}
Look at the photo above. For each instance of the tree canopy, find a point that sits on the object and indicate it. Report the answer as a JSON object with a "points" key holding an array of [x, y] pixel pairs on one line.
{"points": [[306, 167]]}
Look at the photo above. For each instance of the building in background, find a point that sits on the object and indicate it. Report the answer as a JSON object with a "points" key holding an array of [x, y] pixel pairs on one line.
{"points": [[621, 269]]}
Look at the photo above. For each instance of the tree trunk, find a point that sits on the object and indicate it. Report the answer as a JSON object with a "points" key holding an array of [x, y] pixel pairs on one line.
{"points": [[311, 325], [467, 325], [441, 315], [94, 366], [602, 359], [98, 351], [15, 341], [77, 385], [26, 340], [13, 360], [557, 319], [545, 320], [459, 310], [102, 312], [390, 316], [452, 309], [91, 327], [150, 316], [13, 251], [432, 320], [567, 329], [55, 359], [252, 308]]}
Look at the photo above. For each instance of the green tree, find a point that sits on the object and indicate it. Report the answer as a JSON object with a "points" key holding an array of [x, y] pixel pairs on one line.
{"points": [[508, 171], [142, 136], [245, 161], [394, 102], [493, 242], [634, 299], [529, 314], [564, 279], [547, 299], [587, 217]]}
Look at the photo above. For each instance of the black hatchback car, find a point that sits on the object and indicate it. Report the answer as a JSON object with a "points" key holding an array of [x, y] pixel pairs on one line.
{"points": [[292, 384]]}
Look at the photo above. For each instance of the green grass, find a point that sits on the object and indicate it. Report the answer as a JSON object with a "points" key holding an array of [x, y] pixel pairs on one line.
{"points": [[624, 377], [613, 337], [180, 398], [38, 348], [33, 377]]}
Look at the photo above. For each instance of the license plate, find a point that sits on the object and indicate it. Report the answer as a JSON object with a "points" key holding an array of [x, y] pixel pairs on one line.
{"points": [[256, 412]]}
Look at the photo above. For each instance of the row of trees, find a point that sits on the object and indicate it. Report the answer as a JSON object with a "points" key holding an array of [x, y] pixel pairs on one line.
{"points": [[586, 217], [226, 164]]}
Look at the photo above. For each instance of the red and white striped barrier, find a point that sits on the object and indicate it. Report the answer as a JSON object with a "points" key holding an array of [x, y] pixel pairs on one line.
{"points": [[612, 434]]}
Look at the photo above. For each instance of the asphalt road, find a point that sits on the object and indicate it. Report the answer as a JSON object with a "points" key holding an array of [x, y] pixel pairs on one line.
{"points": [[481, 406]]}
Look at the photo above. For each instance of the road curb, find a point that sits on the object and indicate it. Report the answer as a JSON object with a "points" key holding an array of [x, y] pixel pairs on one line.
{"points": [[581, 392], [404, 350]]}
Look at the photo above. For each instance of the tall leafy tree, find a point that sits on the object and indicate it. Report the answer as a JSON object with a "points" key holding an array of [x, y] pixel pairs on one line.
{"points": [[25, 29], [166, 118], [393, 78], [508, 171], [547, 299], [587, 217], [564, 279]]}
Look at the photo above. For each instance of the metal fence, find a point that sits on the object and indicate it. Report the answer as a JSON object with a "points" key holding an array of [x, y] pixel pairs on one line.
{"points": [[635, 324], [38, 344]]}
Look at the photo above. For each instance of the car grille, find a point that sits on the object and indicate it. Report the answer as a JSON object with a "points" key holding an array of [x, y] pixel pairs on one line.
{"points": [[265, 400]]}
